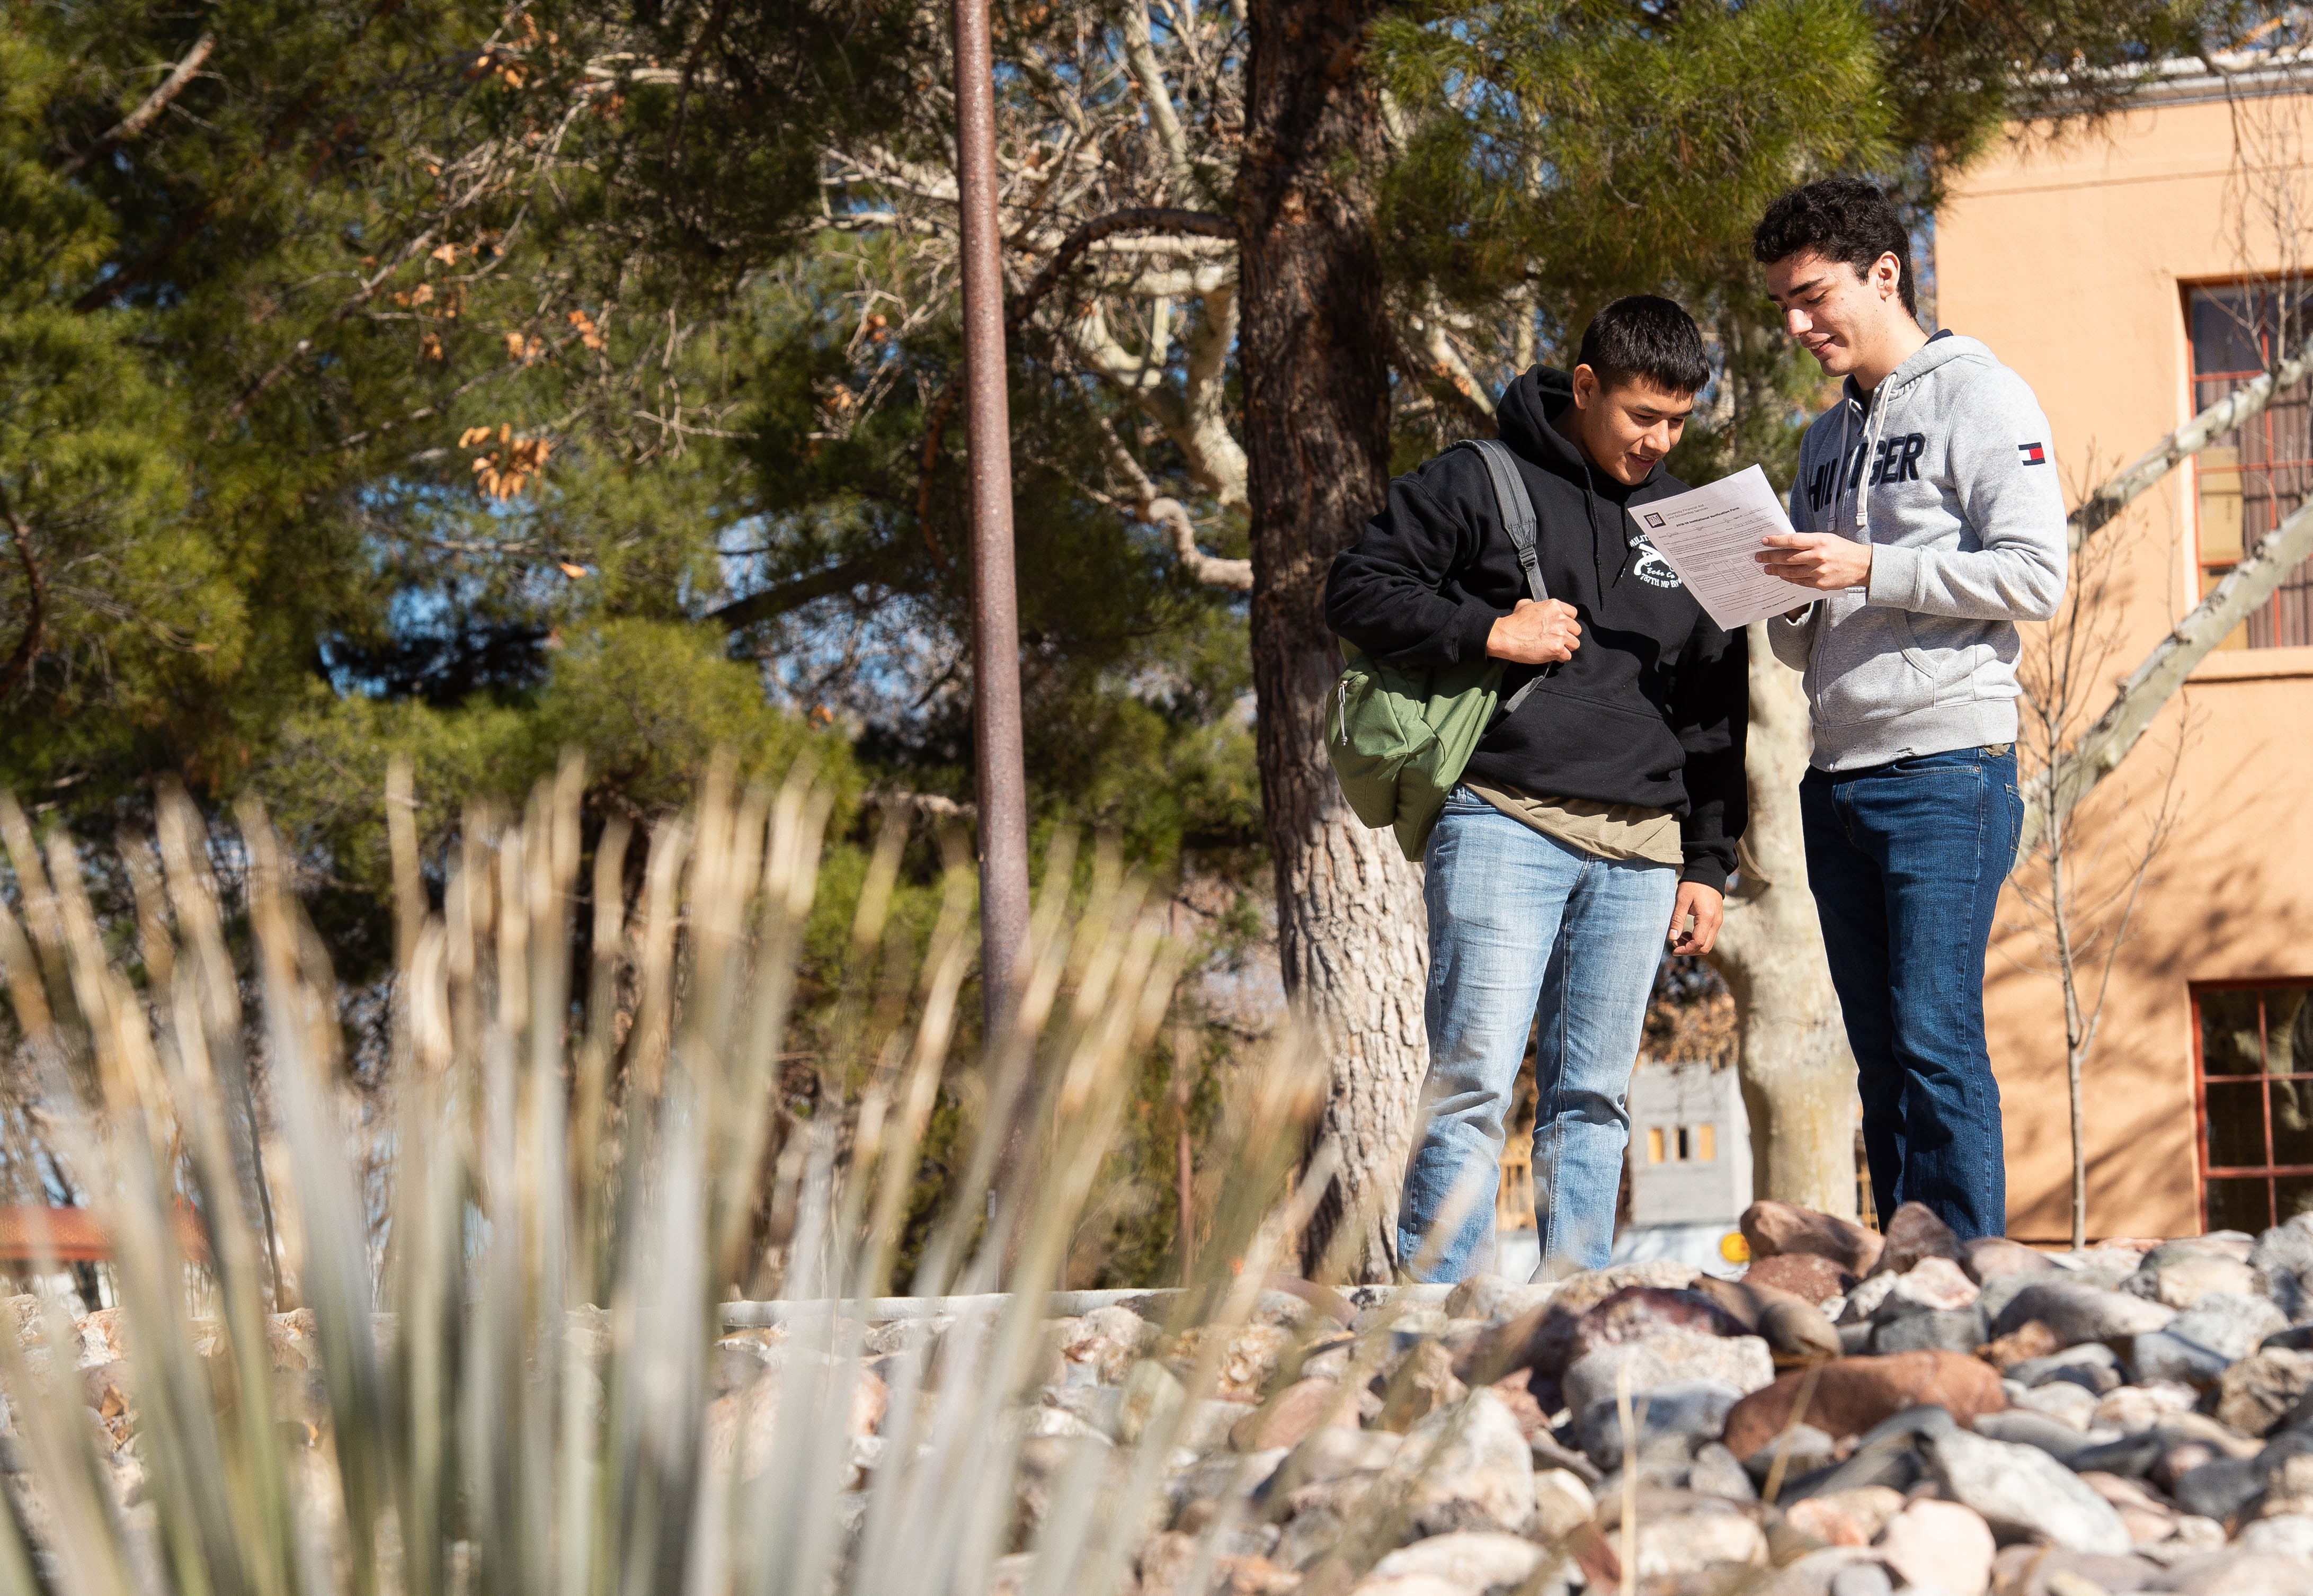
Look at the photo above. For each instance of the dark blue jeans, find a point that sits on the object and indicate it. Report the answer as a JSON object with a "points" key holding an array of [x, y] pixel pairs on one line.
{"points": [[1907, 861]]}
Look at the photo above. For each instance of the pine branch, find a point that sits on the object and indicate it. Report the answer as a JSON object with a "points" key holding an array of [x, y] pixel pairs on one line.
{"points": [[120, 282], [27, 646], [135, 123]]}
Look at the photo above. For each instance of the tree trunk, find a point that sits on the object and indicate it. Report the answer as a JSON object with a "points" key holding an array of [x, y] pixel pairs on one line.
{"points": [[1799, 1077], [1351, 937]]}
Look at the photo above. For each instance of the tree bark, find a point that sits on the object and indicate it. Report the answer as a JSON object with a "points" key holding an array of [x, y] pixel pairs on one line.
{"points": [[1351, 937], [1799, 1077]]}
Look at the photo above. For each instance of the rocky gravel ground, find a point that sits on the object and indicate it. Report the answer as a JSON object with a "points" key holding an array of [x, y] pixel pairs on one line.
{"points": [[1859, 1414]]}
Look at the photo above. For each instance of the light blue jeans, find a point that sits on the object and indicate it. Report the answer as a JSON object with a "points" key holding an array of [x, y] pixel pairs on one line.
{"points": [[1527, 935]]}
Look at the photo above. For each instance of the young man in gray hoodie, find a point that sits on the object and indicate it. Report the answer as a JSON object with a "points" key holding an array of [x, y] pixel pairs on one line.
{"points": [[1928, 516]]}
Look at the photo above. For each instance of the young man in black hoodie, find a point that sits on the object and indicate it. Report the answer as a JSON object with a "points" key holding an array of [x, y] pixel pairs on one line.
{"points": [[1601, 811]]}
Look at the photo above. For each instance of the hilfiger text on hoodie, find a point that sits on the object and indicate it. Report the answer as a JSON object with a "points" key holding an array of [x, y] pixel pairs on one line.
{"points": [[1946, 470]]}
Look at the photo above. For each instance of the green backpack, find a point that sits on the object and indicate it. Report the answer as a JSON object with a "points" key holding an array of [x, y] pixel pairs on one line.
{"points": [[1401, 734]]}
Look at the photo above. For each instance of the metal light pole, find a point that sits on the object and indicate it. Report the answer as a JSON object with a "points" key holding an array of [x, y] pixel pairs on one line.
{"points": [[995, 604]]}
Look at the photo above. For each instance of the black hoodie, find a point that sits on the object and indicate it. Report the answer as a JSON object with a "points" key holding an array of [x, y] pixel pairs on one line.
{"points": [[1651, 709]]}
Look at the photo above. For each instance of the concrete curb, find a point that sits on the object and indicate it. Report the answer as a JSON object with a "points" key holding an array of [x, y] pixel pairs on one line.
{"points": [[1061, 1304]]}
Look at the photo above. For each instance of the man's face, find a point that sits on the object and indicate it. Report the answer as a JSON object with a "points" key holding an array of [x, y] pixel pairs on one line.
{"points": [[1831, 311], [1629, 428]]}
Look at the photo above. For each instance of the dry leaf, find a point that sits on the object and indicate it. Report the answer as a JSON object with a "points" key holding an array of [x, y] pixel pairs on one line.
{"points": [[571, 570]]}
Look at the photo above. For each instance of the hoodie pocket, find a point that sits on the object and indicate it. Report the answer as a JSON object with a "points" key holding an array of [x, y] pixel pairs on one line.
{"points": [[1957, 655], [1865, 668]]}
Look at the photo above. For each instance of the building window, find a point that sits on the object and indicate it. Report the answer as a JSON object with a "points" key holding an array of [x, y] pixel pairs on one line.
{"points": [[2251, 478], [1683, 1144], [2256, 1069]]}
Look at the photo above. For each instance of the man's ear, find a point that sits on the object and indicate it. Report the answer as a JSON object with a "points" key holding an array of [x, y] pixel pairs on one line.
{"points": [[1887, 273], [1585, 387]]}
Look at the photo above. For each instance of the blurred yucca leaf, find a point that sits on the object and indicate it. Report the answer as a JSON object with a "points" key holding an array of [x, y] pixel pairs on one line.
{"points": [[515, 1377]]}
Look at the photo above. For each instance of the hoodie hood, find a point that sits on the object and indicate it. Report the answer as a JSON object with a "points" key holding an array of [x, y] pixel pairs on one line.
{"points": [[1940, 350], [1529, 405]]}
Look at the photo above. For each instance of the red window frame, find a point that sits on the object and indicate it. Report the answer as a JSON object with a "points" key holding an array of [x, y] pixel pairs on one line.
{"points": [[2269, 1171], [2286, 619]]}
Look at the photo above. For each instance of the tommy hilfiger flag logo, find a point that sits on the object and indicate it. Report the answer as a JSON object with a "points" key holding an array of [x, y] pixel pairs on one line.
{"points": [[2034, 455]]}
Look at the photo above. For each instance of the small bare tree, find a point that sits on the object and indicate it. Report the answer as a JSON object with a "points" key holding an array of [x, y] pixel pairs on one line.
{"points": [[2078, 902]]}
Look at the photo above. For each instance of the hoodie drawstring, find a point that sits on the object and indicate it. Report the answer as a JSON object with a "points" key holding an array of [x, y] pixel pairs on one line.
{"points": [[1877, 422]]}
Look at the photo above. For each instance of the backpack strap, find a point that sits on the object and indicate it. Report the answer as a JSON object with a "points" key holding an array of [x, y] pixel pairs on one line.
{"points": [[1517, 507]]}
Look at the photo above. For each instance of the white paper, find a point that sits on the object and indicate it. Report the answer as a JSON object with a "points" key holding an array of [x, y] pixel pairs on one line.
{"points": [[1712, 536]]}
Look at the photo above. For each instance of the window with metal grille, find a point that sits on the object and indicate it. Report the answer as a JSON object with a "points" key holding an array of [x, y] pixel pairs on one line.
{"points": [[2254, 1060], [2252, 477]]}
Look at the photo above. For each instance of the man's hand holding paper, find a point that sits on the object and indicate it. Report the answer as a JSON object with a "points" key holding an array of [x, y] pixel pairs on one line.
{"points": [[1711, 536], [1823, 561]]}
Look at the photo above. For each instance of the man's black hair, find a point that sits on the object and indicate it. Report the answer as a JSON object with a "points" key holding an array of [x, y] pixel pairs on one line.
{"points": [[1840, 219], [1644, 335]]}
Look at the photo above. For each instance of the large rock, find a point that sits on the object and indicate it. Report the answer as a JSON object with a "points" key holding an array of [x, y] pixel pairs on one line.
{"points": [[2143, 1406], [1492, 1297], [1942, 1544], [1789, 1324], [1107, 1342], [2091, 1365], [1562, 1500], [2061, 1440], [1775, 1230], [1935, 1282], [1636, 1313], [2060, 1400], [1804, 1274], [1991, 1257], [1666, 1357], [2028, 1570], [1287, 1418], [1680, 1416], [2023, 1493], [2181, 1273], [1248, 1359], [1913, 1234], [2228, 1322], [1470, 1454], [1542, 1337], [2257, 1392], [1422, 1383], [1961, 1330], [1852, 1395], [2076, 1312], [1470, 1560], [1680, 1533], [2283, 1256], [1846, 1518], [2235, 1572]]}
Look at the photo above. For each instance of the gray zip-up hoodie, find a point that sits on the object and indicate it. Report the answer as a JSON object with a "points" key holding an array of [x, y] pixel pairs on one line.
{"points": [[1946, 470]]}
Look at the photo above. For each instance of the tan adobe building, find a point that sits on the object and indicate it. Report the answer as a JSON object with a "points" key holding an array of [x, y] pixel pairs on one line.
{"points": [[2133, 274]]}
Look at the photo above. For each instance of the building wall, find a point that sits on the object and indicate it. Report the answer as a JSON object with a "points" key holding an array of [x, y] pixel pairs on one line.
{"points": [[2071, 260]]}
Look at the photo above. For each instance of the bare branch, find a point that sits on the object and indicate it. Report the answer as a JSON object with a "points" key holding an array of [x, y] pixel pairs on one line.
{"points": [[1140, 55], [1137, 218], [1437, 380], [2150, 685], [1174, 516], [135, 123], [840, 577], [2241, 405]]}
